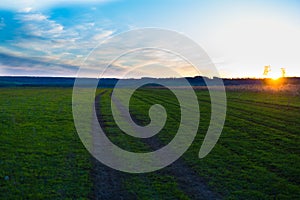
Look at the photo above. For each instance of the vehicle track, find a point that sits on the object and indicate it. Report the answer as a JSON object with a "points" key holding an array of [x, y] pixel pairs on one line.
{"points": [[187, 179]]}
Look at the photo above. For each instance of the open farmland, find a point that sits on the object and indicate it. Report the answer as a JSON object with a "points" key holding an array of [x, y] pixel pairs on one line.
{"points": [[256, 157]]}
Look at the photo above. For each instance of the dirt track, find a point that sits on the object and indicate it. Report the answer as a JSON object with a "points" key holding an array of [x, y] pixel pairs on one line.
{"points": [[108, 182]]}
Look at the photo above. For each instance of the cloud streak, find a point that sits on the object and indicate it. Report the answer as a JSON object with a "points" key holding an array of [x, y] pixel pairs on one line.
{"points": [[44, 41], [28, 5], [15, 65], [39, 25]]}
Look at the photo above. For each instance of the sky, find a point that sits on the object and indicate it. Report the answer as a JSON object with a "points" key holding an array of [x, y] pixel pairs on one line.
{"points": [[53, 37]]}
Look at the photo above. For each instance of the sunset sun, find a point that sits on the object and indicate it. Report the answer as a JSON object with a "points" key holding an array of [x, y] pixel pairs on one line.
{"points": [[275, 77]]}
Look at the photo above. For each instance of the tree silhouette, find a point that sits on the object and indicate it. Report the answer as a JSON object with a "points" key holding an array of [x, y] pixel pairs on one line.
{"points": [[283, 72], [267, 70]]}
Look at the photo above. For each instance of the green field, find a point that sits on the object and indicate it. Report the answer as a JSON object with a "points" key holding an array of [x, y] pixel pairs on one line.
{"points": [[256, 157]]}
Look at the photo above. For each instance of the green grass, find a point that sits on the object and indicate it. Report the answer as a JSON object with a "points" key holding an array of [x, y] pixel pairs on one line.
{"points": [[41, 155], [256, 157]]}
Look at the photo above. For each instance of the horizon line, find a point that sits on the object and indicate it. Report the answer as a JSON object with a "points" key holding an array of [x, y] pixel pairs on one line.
{"points": [[41, 76]]}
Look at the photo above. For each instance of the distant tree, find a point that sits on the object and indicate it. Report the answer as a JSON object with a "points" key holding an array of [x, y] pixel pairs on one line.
{"points": [[283, 72], [267, 70]]}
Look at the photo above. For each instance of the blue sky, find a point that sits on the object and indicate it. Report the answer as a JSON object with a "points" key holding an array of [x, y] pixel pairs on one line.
{"points": [[52, 37]]}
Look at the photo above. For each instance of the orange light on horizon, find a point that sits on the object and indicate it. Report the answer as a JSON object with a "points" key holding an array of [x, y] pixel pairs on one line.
{"points": [[275, 82], [274, 75]]}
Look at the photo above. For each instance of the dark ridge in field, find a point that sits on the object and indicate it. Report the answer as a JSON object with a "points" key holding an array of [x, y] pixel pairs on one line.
{"points": [[108, 182], [187, 179]]}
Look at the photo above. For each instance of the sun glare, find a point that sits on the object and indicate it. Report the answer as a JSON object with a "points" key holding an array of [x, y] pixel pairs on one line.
{"points": [[275, 76]]}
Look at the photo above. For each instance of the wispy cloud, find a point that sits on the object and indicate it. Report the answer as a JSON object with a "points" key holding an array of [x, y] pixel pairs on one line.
{"points": [[103, 35], [52, 47], [42, 40], [39, 25], [55, 46], [33, 17], [15, 65], [38, 4], [140, 63]]}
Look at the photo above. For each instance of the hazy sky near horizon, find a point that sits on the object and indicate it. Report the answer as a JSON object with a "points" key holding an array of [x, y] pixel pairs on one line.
{"points": [[52, 37]]}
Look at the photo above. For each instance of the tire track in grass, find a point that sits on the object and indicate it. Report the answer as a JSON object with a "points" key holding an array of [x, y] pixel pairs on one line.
{"points": [[187, 179], [136, 192], [107, 181]]}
